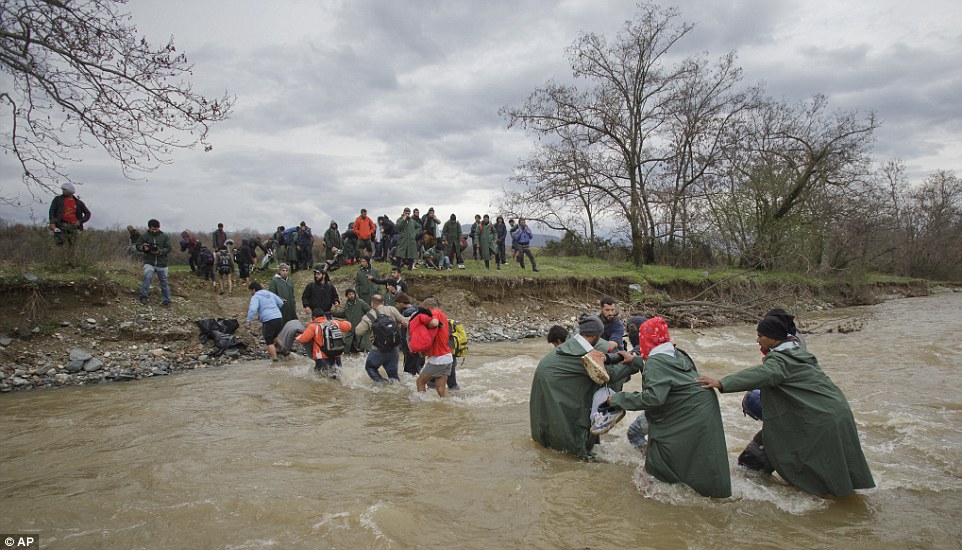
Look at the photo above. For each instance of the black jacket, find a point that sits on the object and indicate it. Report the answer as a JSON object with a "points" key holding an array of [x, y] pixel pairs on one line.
{"points": [[320, 297], [56, 211]]}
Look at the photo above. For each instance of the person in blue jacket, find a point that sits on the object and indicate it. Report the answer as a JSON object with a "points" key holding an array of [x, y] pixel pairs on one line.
{"points": [[267, 307]]}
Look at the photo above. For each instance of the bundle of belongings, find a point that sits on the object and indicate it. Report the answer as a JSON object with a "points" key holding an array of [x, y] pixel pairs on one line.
{"points": [[221, 332]]}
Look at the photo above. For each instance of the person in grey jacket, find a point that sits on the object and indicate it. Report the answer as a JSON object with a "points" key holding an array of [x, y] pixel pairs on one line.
{"points": [[155, 244]]}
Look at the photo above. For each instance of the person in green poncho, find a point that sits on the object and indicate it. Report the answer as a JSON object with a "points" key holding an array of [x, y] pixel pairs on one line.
{"points": [[354, 310], [407, 233], [562, 392], [282, 285], [686, 439], [488, 244], [333, 243], [809, 432], [363, 283]]}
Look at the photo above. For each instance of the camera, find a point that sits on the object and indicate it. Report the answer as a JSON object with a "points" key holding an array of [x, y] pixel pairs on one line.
{"points": [[153, 248]]}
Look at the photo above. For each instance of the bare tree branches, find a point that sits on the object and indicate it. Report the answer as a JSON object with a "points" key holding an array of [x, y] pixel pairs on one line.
{"points": [[82, 77]]}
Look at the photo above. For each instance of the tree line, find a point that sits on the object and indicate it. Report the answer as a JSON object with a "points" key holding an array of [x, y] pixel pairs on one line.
{"points": [[686, 165]]}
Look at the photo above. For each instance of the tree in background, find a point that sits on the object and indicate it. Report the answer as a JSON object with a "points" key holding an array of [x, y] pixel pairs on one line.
{"points": [[643, 132], [80, 76]]}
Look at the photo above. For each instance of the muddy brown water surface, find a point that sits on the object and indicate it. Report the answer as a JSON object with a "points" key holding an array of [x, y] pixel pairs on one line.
{"points": [[253, 456]]}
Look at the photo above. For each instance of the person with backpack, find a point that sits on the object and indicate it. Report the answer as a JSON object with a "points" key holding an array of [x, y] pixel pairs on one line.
{"points": [[438, 358], [190, 244], [384, 323], [245, 259], [267, 307], [305, 246], [413, 361], [205, 263], [225, 270], [320, 297], [327, 337]]}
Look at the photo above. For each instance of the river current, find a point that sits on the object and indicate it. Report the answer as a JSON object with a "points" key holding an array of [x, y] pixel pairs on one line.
{"points": [[260, 456]]}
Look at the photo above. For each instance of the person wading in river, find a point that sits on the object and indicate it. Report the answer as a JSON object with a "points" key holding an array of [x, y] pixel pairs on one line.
{"points": [[809, 431]]}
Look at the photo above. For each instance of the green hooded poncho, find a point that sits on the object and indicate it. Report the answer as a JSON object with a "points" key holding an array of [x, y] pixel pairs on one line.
{"points": [[285, 289], [487, 240], [407, 234], [686, 439], [332, 240], [809, 430], [364, 287], [354, 312], [561, 394]]}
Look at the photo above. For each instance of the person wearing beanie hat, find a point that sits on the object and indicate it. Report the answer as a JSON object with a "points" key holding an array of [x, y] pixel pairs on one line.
{"points": [[562, 391], [67, 216], [283, 285], [809, 432], [686, 435]]}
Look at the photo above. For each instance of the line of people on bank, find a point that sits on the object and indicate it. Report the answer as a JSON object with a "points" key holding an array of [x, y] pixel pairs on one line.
{"points": [[809, 435], [409, 242]]}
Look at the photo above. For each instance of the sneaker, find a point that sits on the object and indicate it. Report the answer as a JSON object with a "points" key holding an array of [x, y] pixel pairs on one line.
{"points": [[460, 266], [534, 269], [605, 419], [165, 303]]}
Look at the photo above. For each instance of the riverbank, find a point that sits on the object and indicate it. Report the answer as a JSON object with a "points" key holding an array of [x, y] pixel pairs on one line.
{"points": [[67, 327]]}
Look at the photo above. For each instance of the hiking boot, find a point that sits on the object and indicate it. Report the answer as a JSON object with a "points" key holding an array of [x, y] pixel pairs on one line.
{"points": [[605, 419], [143, 300], [165, 303], [535, 269]]}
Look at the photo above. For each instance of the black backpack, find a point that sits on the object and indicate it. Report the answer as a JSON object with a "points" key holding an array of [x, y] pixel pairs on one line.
{"points": [[223, 262], [206, 257], [332, 340], [384, 330]]}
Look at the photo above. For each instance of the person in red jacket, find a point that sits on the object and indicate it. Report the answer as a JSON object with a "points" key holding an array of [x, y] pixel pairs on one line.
{"points": [[365, 229], [439, 360], [314, 333]]}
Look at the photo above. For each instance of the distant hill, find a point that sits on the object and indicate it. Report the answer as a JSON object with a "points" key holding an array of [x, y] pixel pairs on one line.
{"points": [[537, 239]]}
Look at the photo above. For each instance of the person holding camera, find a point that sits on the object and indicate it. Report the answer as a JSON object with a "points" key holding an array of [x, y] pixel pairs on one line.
{"points": [[155, 244]]}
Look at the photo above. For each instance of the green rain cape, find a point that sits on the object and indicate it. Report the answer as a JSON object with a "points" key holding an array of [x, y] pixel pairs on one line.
{"points": [[808, 428], [686, 439], [560, 402]]}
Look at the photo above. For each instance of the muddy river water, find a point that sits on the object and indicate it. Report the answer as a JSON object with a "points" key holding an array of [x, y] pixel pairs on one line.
{"points": [[252, 456]]}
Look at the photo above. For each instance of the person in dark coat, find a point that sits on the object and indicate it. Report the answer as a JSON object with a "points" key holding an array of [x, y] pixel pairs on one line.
{"points": [[809, 432], [67, 215], [320, 296]]}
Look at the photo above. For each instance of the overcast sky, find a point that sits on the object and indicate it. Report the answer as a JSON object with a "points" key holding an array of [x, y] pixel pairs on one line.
{"points": [[386, 104]]}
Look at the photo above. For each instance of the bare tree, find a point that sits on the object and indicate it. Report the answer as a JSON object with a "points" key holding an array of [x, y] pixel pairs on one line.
{"points": [[83, 77], [622, 112], [788, 157]]}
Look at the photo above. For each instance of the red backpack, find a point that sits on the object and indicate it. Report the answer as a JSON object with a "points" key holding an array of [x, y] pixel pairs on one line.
{"points": [[420, 336]]}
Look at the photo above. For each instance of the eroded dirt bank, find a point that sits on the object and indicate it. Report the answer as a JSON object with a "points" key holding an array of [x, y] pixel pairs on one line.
{"points": [[95, 331]]}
